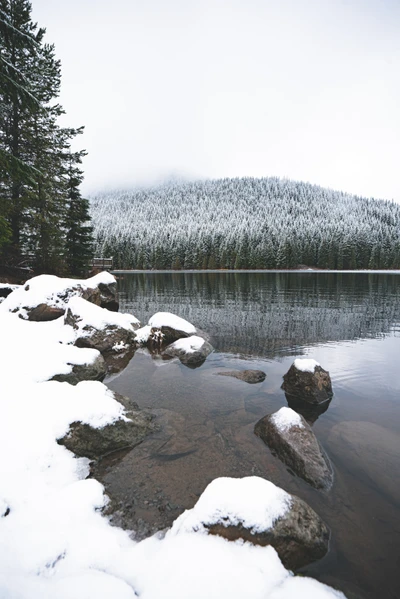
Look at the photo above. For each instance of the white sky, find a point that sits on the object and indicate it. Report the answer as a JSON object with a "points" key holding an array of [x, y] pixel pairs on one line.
{"points": [[307, 89]]}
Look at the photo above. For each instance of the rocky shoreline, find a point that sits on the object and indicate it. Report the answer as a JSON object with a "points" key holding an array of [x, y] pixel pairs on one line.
{"points": [[86, 314]]}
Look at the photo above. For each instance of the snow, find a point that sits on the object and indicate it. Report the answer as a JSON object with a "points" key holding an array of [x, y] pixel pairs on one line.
{"points": [[166, 319], [188, 344], [143, 334], [50, 290], [306, 364], [286, 418], [252, 502], [99, 318], [9, 286], [38, 351], [54, 541]]}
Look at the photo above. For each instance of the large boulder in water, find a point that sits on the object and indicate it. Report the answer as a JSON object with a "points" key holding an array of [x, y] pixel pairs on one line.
{"points": [[255, 510], [98, 328], [308, 381], [85, 440], [291, 438], [45, 297], [191, 351]]}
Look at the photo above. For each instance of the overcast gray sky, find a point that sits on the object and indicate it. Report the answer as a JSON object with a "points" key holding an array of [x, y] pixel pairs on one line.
{"points": [[306, 89]]}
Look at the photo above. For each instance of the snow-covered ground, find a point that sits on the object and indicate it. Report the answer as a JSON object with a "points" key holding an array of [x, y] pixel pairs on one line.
{"points": [[54, 541]]}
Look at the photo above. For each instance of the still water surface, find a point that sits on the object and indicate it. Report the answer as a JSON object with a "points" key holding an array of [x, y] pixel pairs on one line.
{"points": [[350, 323]]}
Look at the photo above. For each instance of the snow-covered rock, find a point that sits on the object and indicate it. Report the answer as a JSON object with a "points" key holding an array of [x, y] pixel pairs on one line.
{"points": [[45, 297], [291, 438], [255, 510], [93, 368], [165, 328], [308, 381], [98, 328], [130, 429], [192, 351]]}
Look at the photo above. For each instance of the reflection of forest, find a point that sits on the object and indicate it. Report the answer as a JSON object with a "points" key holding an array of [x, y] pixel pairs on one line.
{"points": [[269, 313]]}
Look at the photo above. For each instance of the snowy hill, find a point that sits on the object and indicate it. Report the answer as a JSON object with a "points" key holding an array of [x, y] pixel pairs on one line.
{"points": [[245, 223]]}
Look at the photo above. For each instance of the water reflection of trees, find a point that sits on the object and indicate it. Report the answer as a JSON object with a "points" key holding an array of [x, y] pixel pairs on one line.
{"points": [[270, 313]]}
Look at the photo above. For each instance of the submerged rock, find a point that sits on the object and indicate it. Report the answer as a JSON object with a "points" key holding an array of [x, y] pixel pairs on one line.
{"points": [[372, 453], [94, 370], [308, 381], [248, 376], [292, 440], [256, 511], [86, 441], [191, 351]]}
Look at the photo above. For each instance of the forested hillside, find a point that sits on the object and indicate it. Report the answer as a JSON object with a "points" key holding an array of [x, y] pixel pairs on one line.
{"points": [[245, 223]]}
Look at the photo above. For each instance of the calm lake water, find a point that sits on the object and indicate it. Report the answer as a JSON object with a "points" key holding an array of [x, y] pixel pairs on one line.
{"points": [[350, 323]]}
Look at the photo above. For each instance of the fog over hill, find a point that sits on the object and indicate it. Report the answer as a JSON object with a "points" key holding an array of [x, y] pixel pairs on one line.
{"points": [[245, 223]]}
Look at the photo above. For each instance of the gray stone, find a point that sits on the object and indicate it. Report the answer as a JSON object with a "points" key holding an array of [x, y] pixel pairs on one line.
{"points": [[299, 537], [314, 387], [162, 336], [248, 376], [85, 441], [189, 358], [298, 448], [44, 313], [103, 339], [109, 296], [96, 371]]}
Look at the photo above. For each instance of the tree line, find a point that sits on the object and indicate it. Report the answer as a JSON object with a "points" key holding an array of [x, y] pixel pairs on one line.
{"points": [[44, 220], [245, 223]]}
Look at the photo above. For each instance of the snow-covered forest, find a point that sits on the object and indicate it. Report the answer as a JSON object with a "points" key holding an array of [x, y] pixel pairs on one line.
{"points": [[245, 223]]}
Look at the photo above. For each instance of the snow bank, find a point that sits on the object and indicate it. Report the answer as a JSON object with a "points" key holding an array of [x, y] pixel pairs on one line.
{"points": [[253, 502], [166, 319], [306, 364], [99, 318], [51, 290], [285, 418], [35, 352], [188, 344]]}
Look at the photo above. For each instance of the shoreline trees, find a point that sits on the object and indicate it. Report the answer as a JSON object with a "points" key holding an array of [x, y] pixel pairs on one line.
{"points": [[36, 204]]}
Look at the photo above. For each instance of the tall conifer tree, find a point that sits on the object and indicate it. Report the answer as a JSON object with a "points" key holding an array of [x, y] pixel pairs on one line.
{"points": [[36, 176]]}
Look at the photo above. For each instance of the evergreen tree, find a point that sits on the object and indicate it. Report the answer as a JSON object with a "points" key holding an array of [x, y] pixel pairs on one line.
{"points": [[39, 176], [79, 233]]}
